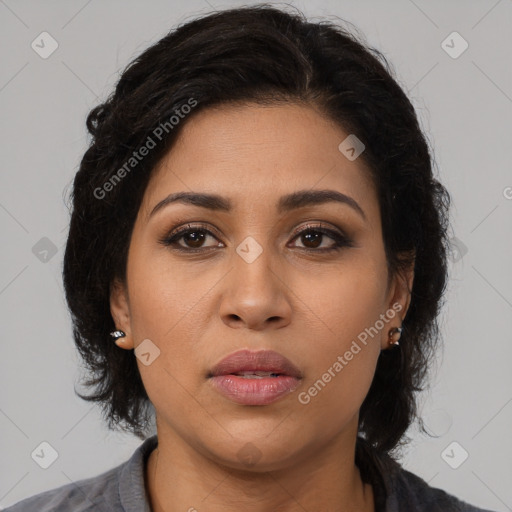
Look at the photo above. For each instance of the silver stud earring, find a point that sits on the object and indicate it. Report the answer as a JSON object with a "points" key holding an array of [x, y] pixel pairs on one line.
{"points": [[394, 336], [117, 335]]}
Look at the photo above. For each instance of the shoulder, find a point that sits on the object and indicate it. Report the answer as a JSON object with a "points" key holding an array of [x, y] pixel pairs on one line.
{"points": [[408, 491], [399, 490], [118, 489], [95, 493]]}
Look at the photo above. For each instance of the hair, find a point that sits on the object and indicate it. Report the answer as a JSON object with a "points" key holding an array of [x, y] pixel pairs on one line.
{"points": [[263, 55]]}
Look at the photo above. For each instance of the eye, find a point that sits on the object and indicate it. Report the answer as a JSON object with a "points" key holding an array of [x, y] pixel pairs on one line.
{"points": [[193, 238], [312, 237]]}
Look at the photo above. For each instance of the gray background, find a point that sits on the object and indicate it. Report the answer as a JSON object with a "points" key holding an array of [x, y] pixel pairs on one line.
{"points": [[465, 105]]}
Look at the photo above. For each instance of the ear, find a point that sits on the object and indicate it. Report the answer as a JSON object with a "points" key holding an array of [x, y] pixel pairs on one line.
{"points": [[399, 297], [120, 310]]}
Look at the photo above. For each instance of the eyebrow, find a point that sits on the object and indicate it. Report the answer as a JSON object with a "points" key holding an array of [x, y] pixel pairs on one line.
{"points": [[299, 199]]}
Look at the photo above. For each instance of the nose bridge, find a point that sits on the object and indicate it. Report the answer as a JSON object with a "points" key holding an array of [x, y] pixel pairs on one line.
{"points": [[253, 275], [254, 292]]}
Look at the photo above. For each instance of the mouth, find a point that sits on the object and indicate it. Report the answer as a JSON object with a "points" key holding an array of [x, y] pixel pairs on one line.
{"points": [[255, 378], [250, 364], [249, 374]]}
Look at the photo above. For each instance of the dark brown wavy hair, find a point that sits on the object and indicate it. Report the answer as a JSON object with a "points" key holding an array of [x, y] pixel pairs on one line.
{"points": [[258, 54]]}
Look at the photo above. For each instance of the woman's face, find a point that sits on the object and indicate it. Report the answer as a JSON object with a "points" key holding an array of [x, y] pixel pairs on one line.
{"points": [[261, 267]]}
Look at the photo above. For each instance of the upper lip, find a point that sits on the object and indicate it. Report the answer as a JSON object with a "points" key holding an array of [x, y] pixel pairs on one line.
{"points": [[263, 360]]}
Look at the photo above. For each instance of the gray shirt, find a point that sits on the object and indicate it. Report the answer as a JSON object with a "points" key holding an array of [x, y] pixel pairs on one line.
{"points": [[122, 489]]}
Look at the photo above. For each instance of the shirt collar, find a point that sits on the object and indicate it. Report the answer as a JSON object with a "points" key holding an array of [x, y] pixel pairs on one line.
{"points": [[132, 488]]}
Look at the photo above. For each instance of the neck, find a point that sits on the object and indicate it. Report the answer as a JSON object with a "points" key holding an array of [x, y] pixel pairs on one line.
{"points": [[179, 478]]}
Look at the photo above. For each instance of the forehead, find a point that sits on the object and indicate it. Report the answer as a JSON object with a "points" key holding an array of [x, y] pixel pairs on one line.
{"points": [[259, 153]]}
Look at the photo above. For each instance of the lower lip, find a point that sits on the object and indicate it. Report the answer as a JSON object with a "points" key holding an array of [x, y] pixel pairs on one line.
{"points": [[253, 391]]}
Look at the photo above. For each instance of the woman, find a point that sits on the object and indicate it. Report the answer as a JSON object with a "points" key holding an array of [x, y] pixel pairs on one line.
{"points": [[257, 225]]}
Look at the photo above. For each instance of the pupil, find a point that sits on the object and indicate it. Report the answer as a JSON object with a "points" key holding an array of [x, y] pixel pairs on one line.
{"points": [[312, 237], [194, 238]]}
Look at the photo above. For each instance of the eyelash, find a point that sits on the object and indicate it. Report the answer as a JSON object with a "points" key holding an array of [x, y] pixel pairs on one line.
{"points": [[340, 240]]}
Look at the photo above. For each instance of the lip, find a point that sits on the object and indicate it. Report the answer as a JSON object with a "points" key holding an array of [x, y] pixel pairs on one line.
{"points": [[255, 391], [262, 360]]}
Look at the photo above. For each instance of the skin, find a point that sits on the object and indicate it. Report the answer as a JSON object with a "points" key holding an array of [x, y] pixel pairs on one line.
{"points": [[308, 305]]}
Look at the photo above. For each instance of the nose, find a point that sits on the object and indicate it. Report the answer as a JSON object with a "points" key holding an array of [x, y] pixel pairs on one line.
{"points": [[255, 296]]}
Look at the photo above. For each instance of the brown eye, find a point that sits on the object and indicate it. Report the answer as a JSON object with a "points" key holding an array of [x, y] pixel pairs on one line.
{"points": [[192, 238], [313, 237]]}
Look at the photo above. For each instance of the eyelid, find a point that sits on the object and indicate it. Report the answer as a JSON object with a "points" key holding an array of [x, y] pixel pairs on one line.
{"points": [[337, 235], [177, 233], [206, 227], [310, 225], [190, 225]]}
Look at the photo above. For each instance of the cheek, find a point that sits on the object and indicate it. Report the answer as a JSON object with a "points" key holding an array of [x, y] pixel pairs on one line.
{"points": [[343, 347], [170, 304], [346, 300], [161, 295], [162, 311]]}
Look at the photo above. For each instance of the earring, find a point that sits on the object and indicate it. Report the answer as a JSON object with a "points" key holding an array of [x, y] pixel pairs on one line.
{"points": [[117, 335], [393, 338]]}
